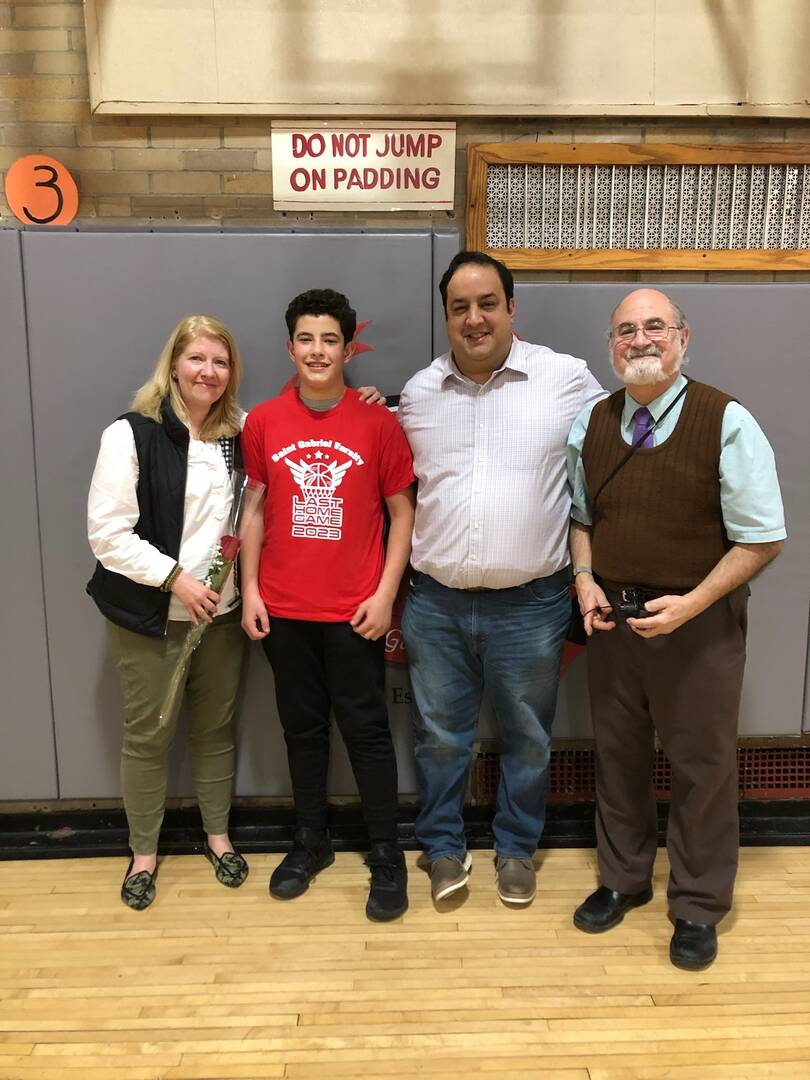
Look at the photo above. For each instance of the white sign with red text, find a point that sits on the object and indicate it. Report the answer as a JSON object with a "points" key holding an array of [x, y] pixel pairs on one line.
{"points": [[325, 165]]}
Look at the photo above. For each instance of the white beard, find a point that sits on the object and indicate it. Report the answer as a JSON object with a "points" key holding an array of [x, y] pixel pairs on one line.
{"points": [[647, 370]]}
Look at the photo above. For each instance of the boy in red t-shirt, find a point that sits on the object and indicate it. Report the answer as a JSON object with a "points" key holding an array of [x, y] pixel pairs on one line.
{"points": [[318, 587]]}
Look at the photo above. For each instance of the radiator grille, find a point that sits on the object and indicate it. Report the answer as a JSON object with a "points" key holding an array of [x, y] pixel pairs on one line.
{"points": [[764, 773], [648, 207]]}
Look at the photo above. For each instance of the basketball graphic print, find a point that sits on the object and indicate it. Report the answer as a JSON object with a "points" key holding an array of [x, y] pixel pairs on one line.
{"points": [[318, 515]]}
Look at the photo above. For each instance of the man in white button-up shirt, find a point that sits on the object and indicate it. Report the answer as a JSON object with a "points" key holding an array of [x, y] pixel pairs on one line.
{"points": [[489, 606]]}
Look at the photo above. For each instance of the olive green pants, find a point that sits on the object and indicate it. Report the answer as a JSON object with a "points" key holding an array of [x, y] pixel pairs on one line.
{"points": [[145, 666]]}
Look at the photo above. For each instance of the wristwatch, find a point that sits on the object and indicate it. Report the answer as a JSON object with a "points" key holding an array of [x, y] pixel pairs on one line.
{"points": [[581, 570]]}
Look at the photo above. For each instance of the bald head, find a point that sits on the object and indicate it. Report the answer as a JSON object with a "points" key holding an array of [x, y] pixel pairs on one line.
{"points": [[647, 298]]}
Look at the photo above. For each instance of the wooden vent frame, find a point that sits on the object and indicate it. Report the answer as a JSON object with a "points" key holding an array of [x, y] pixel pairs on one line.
{"points": [[703, 194]]}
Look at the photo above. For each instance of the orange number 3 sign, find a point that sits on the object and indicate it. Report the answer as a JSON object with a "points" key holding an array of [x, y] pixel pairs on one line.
{"points": [[41, 191]]}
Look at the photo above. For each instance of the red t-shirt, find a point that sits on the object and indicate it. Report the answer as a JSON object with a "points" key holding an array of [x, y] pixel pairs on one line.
{"points": [[327, 476]]}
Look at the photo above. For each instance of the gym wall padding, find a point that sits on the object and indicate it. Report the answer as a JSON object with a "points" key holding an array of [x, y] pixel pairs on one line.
{"points": [[85, 317], [100, 306], [27, 758], [750, 341]]}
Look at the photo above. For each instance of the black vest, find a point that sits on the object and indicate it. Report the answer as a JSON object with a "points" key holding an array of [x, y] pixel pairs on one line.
{"points": [[162, 451]]}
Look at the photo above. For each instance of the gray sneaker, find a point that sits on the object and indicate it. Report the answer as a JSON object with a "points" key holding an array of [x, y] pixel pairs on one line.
{"points": [[517, 880], [449, 874]]}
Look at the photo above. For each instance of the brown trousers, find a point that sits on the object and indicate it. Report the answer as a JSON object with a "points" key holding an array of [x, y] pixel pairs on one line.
{"points": [[686, 687]]}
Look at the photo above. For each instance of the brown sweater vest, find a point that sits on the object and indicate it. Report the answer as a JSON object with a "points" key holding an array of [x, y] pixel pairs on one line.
{"points": [[658, 522]]}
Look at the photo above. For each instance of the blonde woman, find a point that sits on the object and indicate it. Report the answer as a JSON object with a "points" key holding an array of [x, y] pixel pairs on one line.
{"points": [[158, 504]]}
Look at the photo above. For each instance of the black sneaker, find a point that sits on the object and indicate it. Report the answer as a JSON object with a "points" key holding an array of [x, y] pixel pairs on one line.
{"points": [[388, 895], [312, 852]]}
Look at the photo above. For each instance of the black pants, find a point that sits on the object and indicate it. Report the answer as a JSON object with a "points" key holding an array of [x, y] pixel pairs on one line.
{"points": [[320, 666]]}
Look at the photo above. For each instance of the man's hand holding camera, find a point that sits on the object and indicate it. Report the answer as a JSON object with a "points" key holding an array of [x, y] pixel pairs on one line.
{"points": [[667, 613]]}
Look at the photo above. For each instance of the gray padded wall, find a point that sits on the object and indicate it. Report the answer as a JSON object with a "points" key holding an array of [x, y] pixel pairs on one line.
{"points": [[100, 306], [445, 246], [748, 340], [27, 760]]}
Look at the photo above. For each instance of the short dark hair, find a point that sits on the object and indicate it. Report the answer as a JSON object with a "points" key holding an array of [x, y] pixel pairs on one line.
{"points": [[482, 259], [322, 302]]}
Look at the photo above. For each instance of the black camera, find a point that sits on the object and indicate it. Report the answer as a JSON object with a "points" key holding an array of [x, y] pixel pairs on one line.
{"points": [[631, 603]]}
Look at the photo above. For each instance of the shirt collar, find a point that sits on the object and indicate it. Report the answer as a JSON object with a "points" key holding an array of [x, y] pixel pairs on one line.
{"points": [[656, 407], [515, 361]]}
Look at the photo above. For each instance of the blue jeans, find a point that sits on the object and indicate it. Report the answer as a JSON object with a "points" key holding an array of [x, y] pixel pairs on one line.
{"points": [[509, 642]]}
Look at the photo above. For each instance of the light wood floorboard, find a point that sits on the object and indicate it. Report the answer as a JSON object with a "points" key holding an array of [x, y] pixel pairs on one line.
{"points": [[212, 984]]}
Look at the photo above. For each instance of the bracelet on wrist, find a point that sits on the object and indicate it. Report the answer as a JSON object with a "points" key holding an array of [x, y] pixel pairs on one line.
{"points": [[172, 576], [581, 570]]}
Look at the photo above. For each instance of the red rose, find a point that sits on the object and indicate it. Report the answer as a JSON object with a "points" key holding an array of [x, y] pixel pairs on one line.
{"points": [[229, 546]]}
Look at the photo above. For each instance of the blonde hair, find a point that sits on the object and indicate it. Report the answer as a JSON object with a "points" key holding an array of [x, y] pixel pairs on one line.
{"points": [[225, 416]]}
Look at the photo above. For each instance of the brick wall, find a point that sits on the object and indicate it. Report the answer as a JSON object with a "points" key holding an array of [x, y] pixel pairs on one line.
{"points": [[217, 172]]}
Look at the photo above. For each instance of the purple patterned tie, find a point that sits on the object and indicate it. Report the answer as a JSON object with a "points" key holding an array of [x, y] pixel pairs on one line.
{"points": [[643, 421]]}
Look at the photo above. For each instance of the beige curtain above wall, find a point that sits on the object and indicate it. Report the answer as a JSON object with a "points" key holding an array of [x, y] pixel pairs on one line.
{"points": [[450, 58]]}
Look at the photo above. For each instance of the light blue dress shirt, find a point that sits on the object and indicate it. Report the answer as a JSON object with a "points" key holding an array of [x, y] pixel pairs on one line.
{"points": [[749, 487]]}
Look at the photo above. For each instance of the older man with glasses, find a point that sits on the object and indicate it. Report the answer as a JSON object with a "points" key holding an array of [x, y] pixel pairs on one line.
{"points": [[676, 506]]}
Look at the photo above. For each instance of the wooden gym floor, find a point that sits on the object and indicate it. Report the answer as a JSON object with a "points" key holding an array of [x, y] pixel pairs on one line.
{"points": [[210, 984]]}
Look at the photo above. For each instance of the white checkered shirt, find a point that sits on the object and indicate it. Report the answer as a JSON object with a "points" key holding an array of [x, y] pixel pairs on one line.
{"points": [[493, 501]]}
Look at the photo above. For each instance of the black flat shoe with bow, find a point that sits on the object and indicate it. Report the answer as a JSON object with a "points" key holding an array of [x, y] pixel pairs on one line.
{"points": [[229, 869], [138, 890]]}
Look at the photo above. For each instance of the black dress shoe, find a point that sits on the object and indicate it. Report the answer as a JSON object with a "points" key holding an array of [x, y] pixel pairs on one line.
{"points": [[693, 946], [311, 852], [605, 908], [388, 895]]}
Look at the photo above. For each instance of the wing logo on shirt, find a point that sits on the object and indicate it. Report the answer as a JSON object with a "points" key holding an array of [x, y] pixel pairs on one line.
{"points": [[318, 479], [319, 515]]}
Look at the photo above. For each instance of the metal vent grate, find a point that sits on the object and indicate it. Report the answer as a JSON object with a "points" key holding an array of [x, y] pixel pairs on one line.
{"points": [[780, 771], [764, 773], [693, 207]]}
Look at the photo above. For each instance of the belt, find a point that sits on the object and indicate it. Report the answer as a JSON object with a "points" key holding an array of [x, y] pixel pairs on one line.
{"points": [[631, 593], [561, 574]]}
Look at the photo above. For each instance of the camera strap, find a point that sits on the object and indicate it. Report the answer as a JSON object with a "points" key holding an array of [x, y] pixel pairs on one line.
{"points": [[638, 443]]}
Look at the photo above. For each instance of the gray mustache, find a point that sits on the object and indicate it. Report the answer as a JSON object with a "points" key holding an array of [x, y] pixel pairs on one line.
{"points": [[649, 350]]}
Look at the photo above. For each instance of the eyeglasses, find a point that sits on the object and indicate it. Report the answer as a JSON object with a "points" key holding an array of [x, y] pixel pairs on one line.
{"points": [[652, 329]]}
